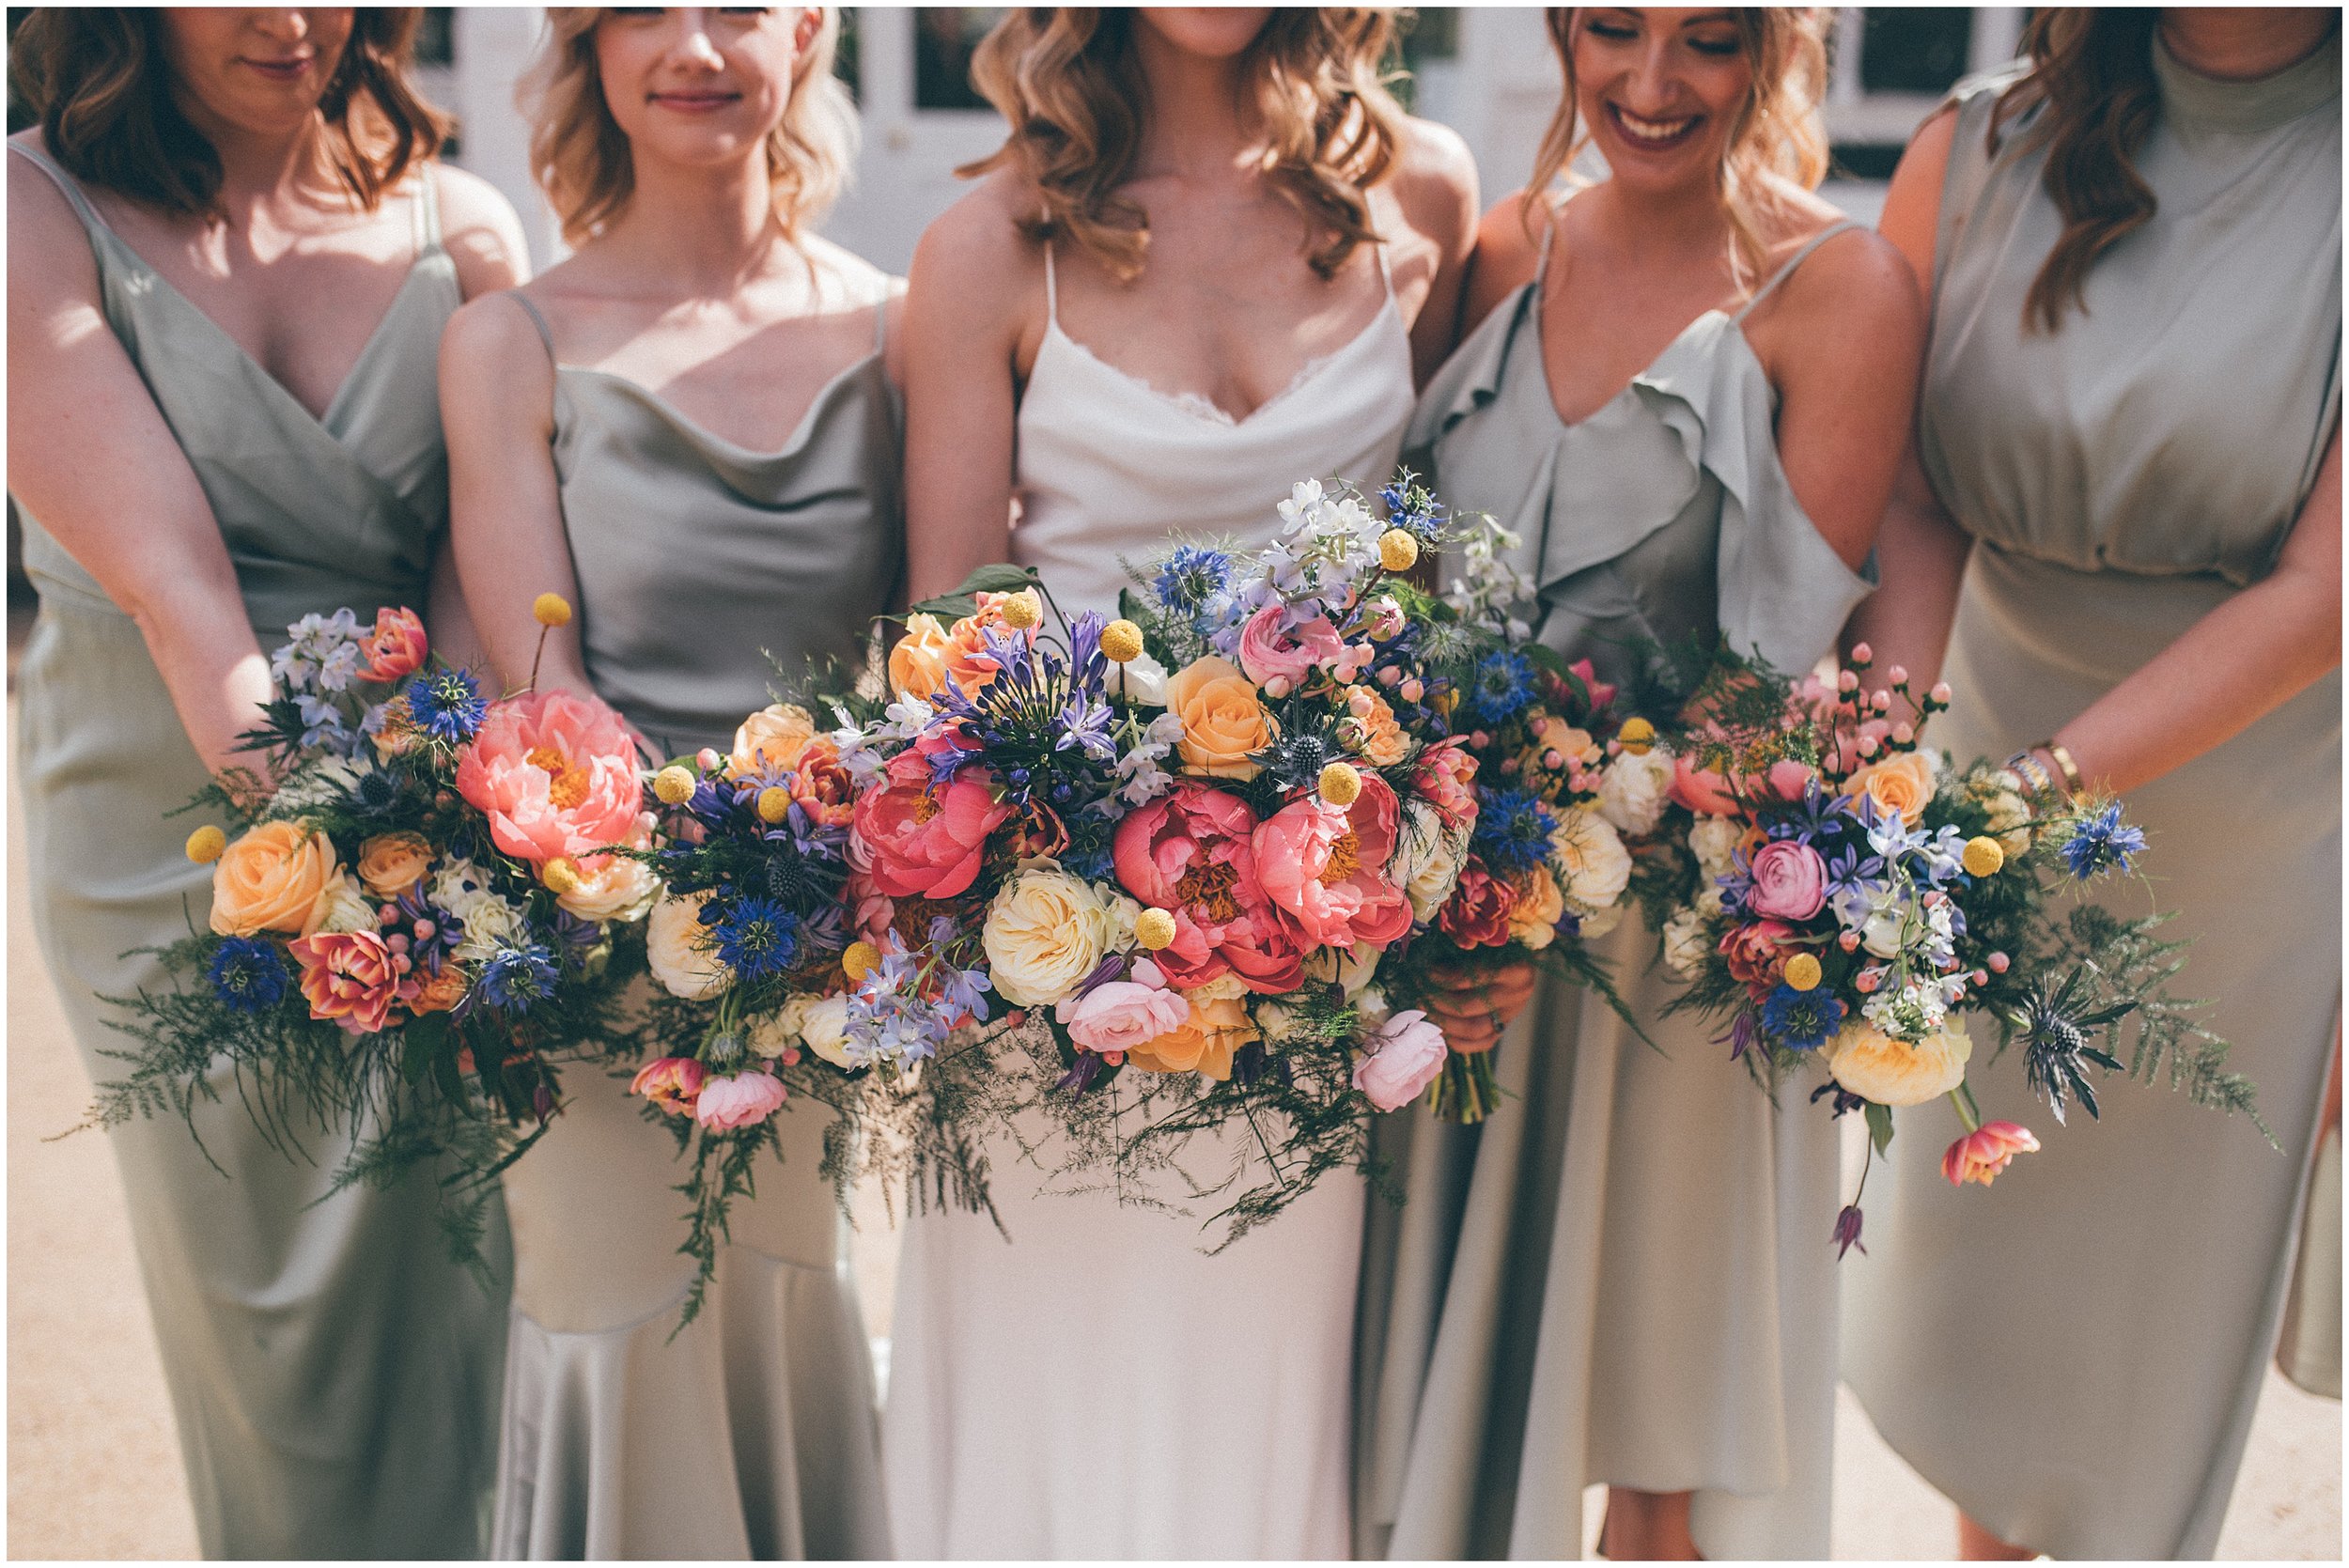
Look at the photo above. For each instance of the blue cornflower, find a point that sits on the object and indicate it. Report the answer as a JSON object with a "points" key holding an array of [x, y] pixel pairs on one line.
{"points": [[446, 705], [757, 938], [1501, 684], [248, 974], [2104, 843], [1191, 577], [1513, 829], [517, 977], [1801, 1020]]}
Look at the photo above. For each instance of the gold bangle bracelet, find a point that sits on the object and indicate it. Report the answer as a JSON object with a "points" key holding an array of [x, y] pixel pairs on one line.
{"points": [[2057, 749]]}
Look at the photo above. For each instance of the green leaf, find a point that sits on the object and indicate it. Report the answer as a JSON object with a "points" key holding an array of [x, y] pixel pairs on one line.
{"points": [[1880, 1126], [998, 578], [421, 1041], [445, 1072]]}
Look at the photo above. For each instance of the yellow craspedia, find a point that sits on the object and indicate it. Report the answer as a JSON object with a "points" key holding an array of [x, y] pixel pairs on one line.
{"points": [[1154, 929], [1636, 736], [1341, 786], [1984, 856], [1802, 972], [1020, 612], [1397, 549], [1121, 642], [673, 785], [860, 960], [774, 803], [560, 875], [206, 844], [550, 610]]}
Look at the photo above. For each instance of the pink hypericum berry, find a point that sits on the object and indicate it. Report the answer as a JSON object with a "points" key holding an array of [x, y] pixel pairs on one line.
{"points": [[1903, 734], [1940, 692], [1391, 675], [1848, 681], [1899, 674], [2000, 963], [1862, 654]]}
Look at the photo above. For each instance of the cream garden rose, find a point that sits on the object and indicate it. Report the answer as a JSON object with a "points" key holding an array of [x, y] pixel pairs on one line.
{"points": [[1687, 943], [1593, 865], [824, 1028], [1634, 790], [677, 950], [1426, 861], [1713, 840], [345, 906], [1874, 1065], [611, 887], [1045, 930]]}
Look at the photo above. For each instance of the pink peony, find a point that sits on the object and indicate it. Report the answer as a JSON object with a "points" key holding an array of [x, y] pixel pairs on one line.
{"points": [[1407, 1054], [1189, 853], [672, 1083], [1789, 880], [1322, 869], [349, 976], [927, 840], [1120, 1014], [1477, 914], [1984, 1154], [1447, 780], [557, 774], [395, 648], [1269, 648], [743, 1100]]}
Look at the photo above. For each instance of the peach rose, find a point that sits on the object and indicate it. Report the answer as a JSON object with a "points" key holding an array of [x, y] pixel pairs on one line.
{"points": [[391, 863], [274, 878], [770, 740], [1537, 909], [1201, 1044], [1373, 732], [917, 665], [348, 976], [1222, 720], [1902, 782]]}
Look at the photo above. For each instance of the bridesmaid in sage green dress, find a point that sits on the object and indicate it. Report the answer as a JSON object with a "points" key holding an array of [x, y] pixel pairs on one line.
{"points": [[2129, 498], [206, 446], [690, 428], [1624, 1274]]}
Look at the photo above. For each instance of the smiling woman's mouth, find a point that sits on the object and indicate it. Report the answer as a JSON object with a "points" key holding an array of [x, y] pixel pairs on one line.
{"points": [[1651, 135]]}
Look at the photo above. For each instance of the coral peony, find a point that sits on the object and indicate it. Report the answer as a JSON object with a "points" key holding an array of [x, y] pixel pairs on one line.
{"points": [[1323, 868], [823, 788], [557, 774], [395, 648], [925, 838], [672, 1083], [1189, 852], [1477, 914], [1446, 777], [1756, 953]]}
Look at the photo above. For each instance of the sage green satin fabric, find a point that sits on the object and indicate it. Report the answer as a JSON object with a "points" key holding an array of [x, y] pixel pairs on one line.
{"points": [[1623, 1275], [2075, 1355], [751, 1432], [334, 1374]]}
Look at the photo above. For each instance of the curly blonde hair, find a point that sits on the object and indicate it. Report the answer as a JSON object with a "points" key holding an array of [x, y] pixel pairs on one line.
{"points": [[580, 157], [1778, 129], [1068, 80]]}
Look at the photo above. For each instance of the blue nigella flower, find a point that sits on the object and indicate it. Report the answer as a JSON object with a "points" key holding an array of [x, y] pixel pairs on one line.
{"points": [[1513, 829], [447, 704], [757, 938], [2104, 843], [248, 974], [515, 978], [1501, 684], [1801, 1020], [1191, 577]]}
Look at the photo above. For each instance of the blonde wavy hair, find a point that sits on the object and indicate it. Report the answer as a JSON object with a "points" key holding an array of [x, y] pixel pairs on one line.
{"points": [[1778, 129], [1068, 80], [580, 157]]}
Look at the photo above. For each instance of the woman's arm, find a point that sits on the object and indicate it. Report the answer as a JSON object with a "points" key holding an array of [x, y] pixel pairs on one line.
{"points": [[1435, 185], [967, 300], [91, 458]]}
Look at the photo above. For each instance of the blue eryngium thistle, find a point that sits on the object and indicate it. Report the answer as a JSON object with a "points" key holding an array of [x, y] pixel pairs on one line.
{"points": [[1501, 684], [2104, 843], [1513, 829], [757, 938], [248, 974], [517, 978], [446, 705], [1801, 1020]]}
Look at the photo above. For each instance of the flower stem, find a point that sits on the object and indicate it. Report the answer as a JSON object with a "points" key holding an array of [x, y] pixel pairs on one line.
{"points": [[1962, 1098]]}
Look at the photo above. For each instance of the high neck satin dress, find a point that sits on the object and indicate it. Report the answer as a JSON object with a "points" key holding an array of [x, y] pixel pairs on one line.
{"points": [[333, 1373], [2074, 1357], [751, 1433], [1092, 1386]]}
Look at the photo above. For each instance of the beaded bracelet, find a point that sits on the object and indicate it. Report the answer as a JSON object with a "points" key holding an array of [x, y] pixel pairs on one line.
{"points": [[2063, 760], [2033, 772]]}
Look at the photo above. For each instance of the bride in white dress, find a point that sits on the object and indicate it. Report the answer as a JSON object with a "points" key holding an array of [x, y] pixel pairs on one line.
{"points": [[1207, 263]]}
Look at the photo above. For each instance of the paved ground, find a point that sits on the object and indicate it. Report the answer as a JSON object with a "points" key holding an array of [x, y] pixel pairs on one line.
{"points": [[93, 1464]]}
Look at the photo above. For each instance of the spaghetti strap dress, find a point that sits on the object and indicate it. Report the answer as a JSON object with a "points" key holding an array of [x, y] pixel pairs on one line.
{"points": [[1091, 1383], [750, 1433], [333, 1373], [2107, 1313], [1624, 1274]]}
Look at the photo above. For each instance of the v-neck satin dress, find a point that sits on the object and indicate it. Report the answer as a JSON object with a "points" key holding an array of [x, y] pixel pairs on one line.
{"points": [[333, 1373], [1623, 1275], [1091, 1385], [2075, 1356], [751, 1433]]}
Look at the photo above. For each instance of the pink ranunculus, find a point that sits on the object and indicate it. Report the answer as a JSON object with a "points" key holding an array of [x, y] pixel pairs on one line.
{"points": [[1789, 880], [1269, 646], [1189, 852], [395, 648], [1477, 914], [927, 840], [1983, 1154], [1446, 777], [1701, 790], [1756, 953], [349, 976], [1120, 1014], [671, 1082], [742, 1100], [1323, 869], [557, 774], [1407, 1054]]}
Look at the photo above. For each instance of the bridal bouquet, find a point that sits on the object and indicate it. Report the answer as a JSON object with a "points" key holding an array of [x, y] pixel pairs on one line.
{"points": [[408, 926], [1847, 895]]}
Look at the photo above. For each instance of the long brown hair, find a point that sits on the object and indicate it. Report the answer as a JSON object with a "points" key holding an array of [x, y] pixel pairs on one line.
{"points": [[1778, 129], [99, 79], [1068, 80], [2091, 79]]}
